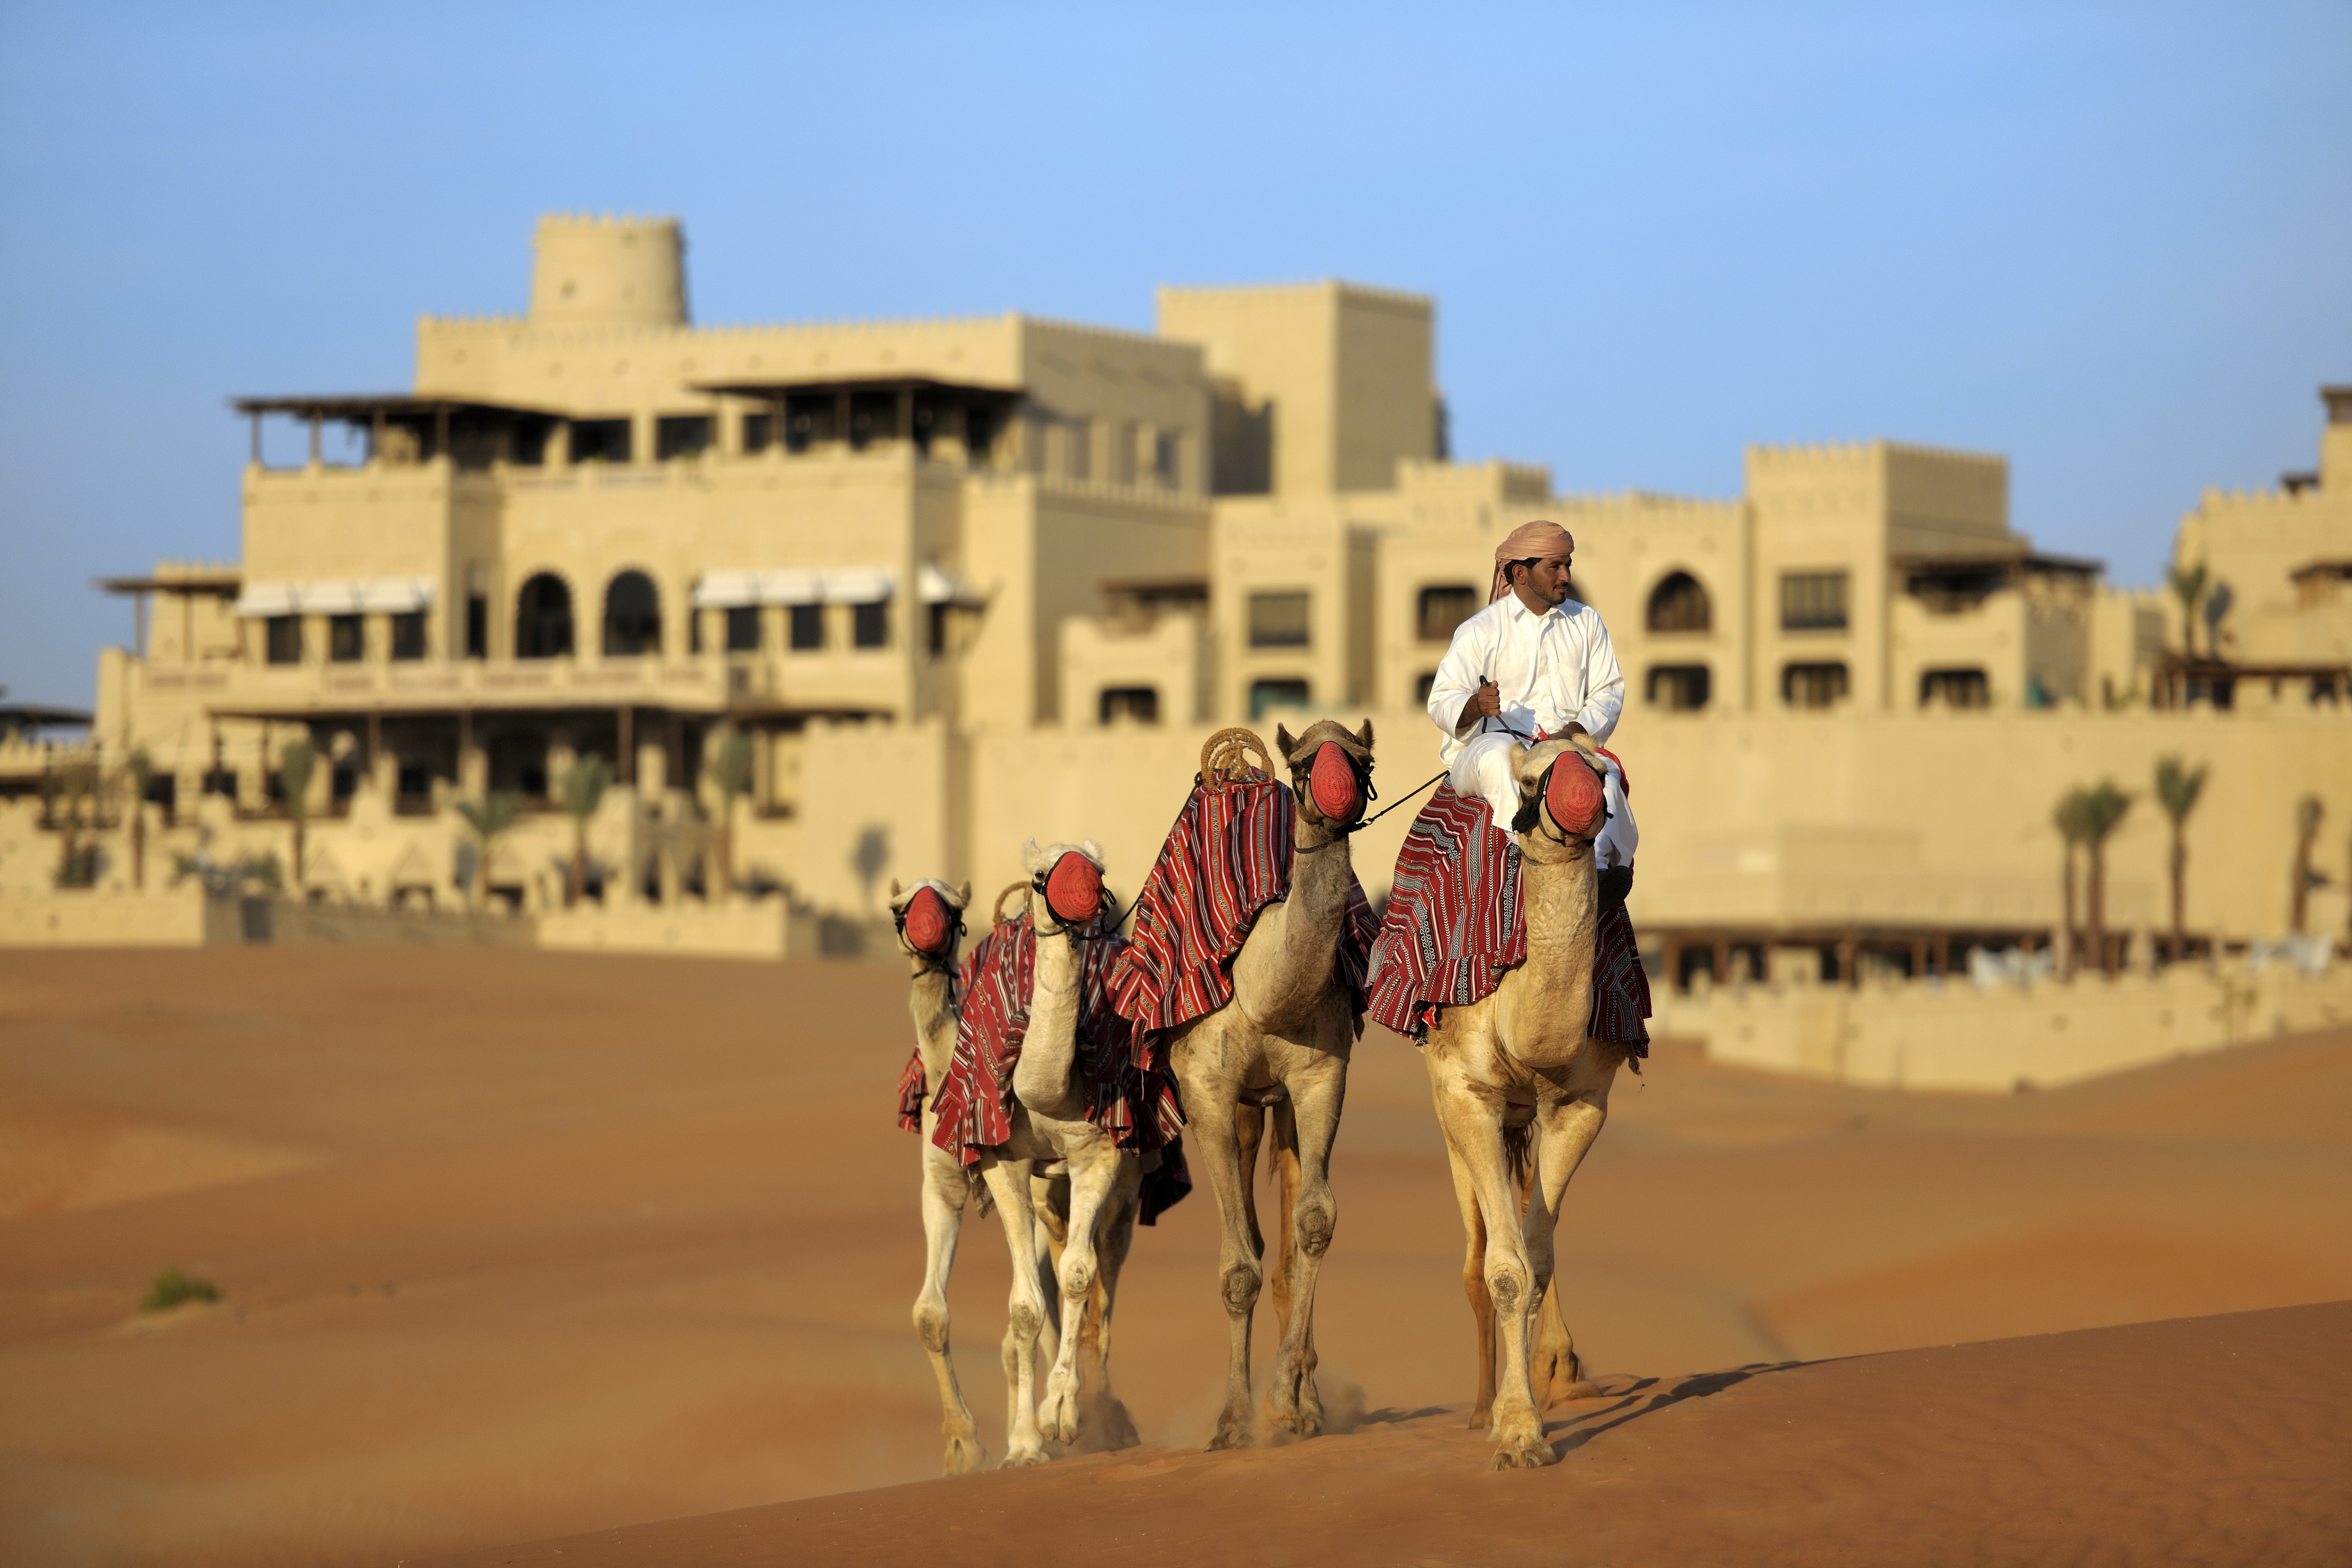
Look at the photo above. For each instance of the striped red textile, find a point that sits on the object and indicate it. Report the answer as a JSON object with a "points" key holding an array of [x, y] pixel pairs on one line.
{"points": [[910, 1094], [1228, 857], [1455, 924], [1131, 1092]]}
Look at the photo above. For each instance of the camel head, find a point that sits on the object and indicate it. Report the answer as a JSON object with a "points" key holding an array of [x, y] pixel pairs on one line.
{"points": [[1067, 879], [1563, 806], [930, 917], [1330, 771]]}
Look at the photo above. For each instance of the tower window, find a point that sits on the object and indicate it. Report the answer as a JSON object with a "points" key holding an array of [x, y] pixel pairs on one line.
{"points": [[1265, 694], [284, 634], [869, 624], [1679, 603], [1812, 600], [1955, 688], [346, 640], [1277, 620], [743, 628], [1442, 609], [807, 627], [1813, 685], [1136, 704], [1680, 687], [408, 635]]}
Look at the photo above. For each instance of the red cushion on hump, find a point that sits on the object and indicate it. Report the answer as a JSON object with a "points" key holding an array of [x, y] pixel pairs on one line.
{"points": [[1575, 798], [1332, 783], [1074, 887], [928, 925]]}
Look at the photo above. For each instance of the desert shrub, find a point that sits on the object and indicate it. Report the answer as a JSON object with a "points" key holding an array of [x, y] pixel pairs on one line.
{"points": [[171, 1287]]}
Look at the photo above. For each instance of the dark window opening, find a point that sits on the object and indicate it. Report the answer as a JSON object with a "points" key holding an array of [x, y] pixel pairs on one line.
{"points": [[1443, 609], [979, 432], [1680, 604], [408, 635], [1812, 685], [681, 436], [1241, 444], [1957, 587], [529, 449], [940, 630], [869, 624], [346, 640], [164, 790], [415, 781], [1680, 687], [1812, 600], [285, 639], [221, 782], [1137, 704], [1165, 450], [477, 624], [759, 431], [631, 617], [807, 627], [1422, 687], [600, 440], [743, 628], [346, 782], [1265, 694], [1955, 688], [873, 416], [544, 618], [1277, 620]]}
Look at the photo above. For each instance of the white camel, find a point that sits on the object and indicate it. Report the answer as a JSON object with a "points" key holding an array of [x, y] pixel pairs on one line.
{"points": [[1280, 1047], [1516, 1066]]}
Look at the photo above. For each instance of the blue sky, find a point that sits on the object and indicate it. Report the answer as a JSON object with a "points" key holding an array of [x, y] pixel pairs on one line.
{"points": [[2114, 243]]}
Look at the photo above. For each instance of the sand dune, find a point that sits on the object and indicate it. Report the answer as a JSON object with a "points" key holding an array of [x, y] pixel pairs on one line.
{"points": [[2213, 1440], [562, 1243]]}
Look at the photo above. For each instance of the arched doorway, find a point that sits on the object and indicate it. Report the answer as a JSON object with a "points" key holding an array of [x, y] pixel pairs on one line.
{"points": [[1679, 603], [544, 618], [631, 617]]}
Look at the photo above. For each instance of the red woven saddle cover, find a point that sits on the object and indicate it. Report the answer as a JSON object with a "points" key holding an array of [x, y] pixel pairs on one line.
{"points": [[1456, 922], [1131, 1093], [1228, 857]]}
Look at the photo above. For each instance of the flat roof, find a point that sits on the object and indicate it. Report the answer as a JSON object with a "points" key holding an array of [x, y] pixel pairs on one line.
{"points": [[40, 716], [805, 387], [357, 407], [224, 583]]}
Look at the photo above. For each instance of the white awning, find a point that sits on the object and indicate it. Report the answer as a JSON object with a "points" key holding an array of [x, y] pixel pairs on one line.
{"points": [[337, 596], [792, 587], [857, 585], [727, 590], [937, 587]]}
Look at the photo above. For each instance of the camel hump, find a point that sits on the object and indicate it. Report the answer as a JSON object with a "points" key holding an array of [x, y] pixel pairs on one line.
{"points": [[1225, 759]]}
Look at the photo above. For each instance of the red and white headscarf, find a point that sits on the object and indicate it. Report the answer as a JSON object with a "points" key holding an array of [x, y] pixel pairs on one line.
{"points": [[1529, 541]]}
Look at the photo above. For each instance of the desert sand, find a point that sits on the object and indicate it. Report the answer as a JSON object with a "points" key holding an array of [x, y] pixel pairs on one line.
{"points": [[519, 1246]]}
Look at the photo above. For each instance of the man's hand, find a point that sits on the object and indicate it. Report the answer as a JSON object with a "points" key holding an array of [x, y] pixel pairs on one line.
{"points": [[1487, 702]]}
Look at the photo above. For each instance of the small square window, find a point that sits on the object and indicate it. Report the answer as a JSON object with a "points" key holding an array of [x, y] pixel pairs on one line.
{"points": [[408, 635], [346, 640], [808, 627], [1445, 608], [1277, 620], [1813, 685], [743, 628], [1167, 448], [870, 625], [1812, 600], [477, 627], [600, 440], [284, 634], [1680, 687], [681, 436], [1265, 694], [1134, 704], [758, 432]]}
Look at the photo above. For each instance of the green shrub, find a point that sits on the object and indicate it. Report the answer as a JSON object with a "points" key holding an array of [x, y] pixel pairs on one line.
{"points": [[172, 1288]]}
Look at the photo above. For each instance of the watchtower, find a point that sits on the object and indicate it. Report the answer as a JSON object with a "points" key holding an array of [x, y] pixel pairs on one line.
{"points": [[608, 271]]}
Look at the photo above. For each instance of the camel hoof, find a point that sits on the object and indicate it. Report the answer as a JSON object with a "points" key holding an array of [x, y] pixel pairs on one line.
{"points": [[1524, 1454], [1232, 1435], [965, 1456]]}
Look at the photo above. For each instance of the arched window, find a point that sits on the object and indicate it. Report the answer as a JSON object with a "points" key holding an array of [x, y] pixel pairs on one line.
{"points": [[1679, 604], [544, 618], [631, 617]]}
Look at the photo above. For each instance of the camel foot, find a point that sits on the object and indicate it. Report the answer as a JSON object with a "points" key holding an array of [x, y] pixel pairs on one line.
{"points": [[964, 1456], [1023, 1456], [1481, 1415], [1301, 1415], [1233, 1432], [1057, 1413], [1522, 1449]]}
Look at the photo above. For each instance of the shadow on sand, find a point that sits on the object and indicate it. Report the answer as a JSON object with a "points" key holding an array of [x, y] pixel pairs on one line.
{"points": [[1648, 1396]]}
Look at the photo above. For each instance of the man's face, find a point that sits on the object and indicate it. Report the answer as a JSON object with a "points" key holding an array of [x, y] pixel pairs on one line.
{"points": [[1547, 581]]}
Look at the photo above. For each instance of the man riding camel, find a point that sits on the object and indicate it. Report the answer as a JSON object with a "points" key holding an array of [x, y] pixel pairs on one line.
{"points": [[1532, 664]]}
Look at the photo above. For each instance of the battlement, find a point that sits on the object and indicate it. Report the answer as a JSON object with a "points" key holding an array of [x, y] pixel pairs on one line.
{"points": [[606, 269]]}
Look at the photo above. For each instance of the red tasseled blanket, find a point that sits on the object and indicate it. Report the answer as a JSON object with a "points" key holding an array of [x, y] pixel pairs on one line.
{"points": [[1132, 1093], [1228, 857], [1455, 924]]}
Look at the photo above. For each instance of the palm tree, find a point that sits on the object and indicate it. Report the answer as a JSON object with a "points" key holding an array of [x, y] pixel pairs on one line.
{"points": [[581, 790], [2103, 807], [2308, 813], [139, 772], [2188, 585], [294, 767], [2178, 786], [730, 770], [2072, 818], [489, 816]]}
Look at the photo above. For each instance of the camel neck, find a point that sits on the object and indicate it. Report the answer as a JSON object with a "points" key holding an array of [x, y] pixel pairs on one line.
{"points": [[1562, 901], [931, 1000], [1042, 1078]]}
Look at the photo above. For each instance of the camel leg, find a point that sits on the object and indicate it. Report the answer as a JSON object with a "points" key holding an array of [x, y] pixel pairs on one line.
{"points": [[1024, 1313], [1113, 1427], [1214, 1125], [1474, 1282], [1050, 1202], [1568, 1128], [1476, 1131], [943, 1200], [1093, 1173], [1281, 1161], [1249, 1129], [1314, 1104]]}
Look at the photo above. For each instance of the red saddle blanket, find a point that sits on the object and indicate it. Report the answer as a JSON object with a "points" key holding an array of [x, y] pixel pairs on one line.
{"points": [[1130, 1092], [1228, 857], [1455, 923]]}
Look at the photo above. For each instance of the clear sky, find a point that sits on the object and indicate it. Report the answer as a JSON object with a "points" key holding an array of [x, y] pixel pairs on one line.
{"points": [[2114, 243]]}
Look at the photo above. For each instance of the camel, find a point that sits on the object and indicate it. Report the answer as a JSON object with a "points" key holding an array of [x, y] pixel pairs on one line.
{"points": [[1281, 1044], [930, 927], [1515, 1077]]}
